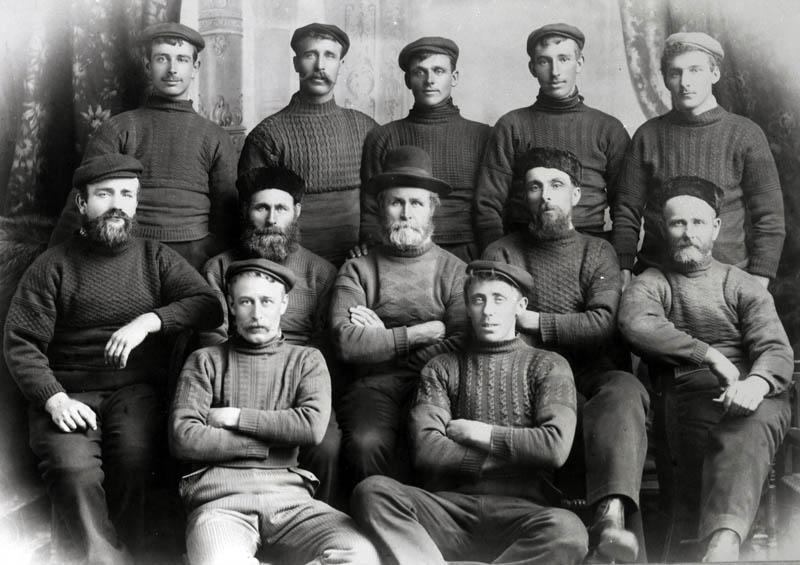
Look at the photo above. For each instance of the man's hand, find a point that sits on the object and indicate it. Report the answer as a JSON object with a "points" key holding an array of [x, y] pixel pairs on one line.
{"points": [[358, 250], [70, 414], [426, 333], [227, 418], [128, 337], [470, 433], [726, 372], [363, 316], [763, 281], [529, 322], [743, 397], [627, 277]]}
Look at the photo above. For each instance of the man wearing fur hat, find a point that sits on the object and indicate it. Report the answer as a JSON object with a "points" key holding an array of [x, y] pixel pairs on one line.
{"points": [[700, 138], [84, 340], [318, 140], [393, 310]]}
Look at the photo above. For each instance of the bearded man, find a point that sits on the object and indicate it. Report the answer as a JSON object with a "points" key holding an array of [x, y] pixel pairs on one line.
{"points": [[392, 311], [84, 340]]}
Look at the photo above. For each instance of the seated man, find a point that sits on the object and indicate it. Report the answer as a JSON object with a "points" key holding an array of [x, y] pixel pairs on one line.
{"points": [[488, 426], [270, 200], [572, 310], [392, 311], [84, 341], [716, 329], [240, 412]]}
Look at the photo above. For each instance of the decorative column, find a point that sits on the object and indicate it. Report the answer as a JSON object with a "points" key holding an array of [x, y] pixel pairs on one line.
{"points": [[220, 96]]}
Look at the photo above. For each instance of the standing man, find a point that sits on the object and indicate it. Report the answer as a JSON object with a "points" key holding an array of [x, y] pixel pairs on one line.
{"points": [[318, 140], [85, 341], [188, 197], [455, 144], [572, 310], [489, 425], [392, 311], [725, 365], [560, 119], [700, 138]]}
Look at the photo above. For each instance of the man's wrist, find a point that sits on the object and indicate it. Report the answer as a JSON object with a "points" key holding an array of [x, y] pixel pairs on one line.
{"points": [[54, 401], [151, 322]]}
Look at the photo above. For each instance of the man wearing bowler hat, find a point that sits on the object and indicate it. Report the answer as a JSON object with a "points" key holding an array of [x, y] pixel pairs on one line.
{"points": [[559, 119], [435, 124], [319, 140], [393, 310]]}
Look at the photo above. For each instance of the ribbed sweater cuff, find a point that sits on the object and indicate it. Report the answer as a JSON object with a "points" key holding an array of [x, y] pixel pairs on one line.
{"points": [[168, 321], [762, 266], [547, 327], [626, 261], [42, 394], [699, 353], [501, 443], [472, 463], [400, 341], [248, 421]]}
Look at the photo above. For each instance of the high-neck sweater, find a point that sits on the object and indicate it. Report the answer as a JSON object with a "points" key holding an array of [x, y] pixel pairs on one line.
{"points": [[728, 150], [455, 145], [528, 397], [403, 289], [77, 294], [674, 316], [576, 292], [321, 143], [282, 390], [597, 139], [188, 182]]}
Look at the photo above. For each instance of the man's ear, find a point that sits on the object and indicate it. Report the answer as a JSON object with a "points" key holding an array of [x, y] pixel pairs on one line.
{"points": [[229, 300], [407, 80], [579, 67], [717, 226], [576, 195], [522, 305], [454, 79], [284, 303], [297, 209], [296, 63], [146, 64], [80, 202]]}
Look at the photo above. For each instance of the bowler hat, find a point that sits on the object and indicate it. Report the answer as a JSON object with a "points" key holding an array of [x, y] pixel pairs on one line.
{"points": [[407, 166]]}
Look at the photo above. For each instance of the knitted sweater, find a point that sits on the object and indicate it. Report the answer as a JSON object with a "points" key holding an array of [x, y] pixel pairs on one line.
{"points": [[455, 145], [305, 319], [576, 292], [528, 397], [321, 143], [673, 318], [283, 392], [188, 182], [597, 139], [730, 151], [403, 290], [76, 295]]}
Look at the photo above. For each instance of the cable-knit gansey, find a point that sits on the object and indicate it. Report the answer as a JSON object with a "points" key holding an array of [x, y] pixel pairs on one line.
{"points": [[321, 143], [456, 147], [729, 150]]}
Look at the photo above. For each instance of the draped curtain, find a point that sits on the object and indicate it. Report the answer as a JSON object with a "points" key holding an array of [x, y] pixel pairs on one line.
{"points": [[758, 81]]}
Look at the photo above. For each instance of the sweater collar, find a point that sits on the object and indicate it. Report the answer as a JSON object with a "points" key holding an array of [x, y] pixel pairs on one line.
{"points": [[438, 113], [98, 249], [559, 240], [692, 269], [243, 346], [414, 252], [299, 106], [478, 346], [158, 102], [708, 117], [550, 104]]}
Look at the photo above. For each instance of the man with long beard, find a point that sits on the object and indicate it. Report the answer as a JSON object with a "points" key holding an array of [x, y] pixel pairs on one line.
{"points": [[392, 311], [572, 311], [84, 340], [711, 334]]}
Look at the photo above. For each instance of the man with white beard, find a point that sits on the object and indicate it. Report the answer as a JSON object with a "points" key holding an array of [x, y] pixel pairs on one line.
{"points": [[392, 311]]}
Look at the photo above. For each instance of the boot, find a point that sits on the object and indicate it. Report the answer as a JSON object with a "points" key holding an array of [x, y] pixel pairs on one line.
{"points": [[608, 536], [723, 547]]}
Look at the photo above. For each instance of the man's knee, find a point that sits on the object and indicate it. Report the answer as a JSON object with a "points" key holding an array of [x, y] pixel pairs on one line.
{"points": [[621, 388], [371, 495], [221, 536], [564, 529]]}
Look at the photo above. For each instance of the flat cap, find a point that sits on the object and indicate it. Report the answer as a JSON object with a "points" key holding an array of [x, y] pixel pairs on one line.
{"points": [[550, 158], [173, 29], [698, 187], [698, 39], [407, 166], [440, 45], [515, 276], [321, 29], [107, 166], [263, 178], [282, 274], [564, 30]]}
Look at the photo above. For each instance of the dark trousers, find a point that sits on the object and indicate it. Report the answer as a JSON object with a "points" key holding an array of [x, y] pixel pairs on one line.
{"points": [[411, 526], [323, 461], [719, 463], [97, 479]]}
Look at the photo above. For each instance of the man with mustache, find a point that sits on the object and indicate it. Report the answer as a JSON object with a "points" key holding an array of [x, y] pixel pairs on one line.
{"points": [[558, 118], [711, 334], [318, 140], [271, 201], [700, 138], [85, 341], [392, 311], [572, 311]]}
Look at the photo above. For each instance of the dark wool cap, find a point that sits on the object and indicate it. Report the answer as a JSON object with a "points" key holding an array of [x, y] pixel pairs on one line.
{"points": [[282, 274], [440, 45], [407, 166], [325, 29], [108, 166], [550, 158], [700, 188], [698, 39], [564, 30], [515, 276], [173, 29], [262, 178]]}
